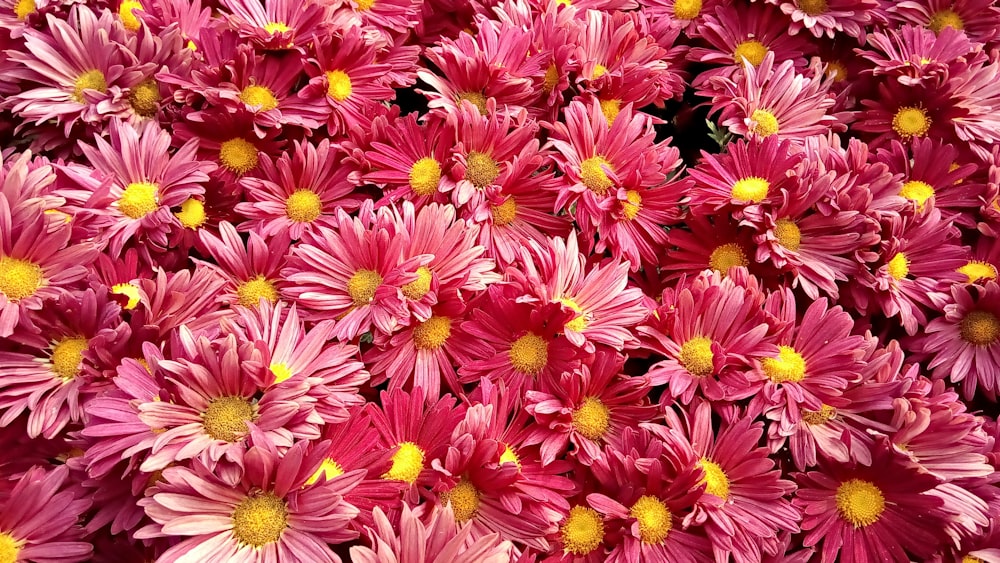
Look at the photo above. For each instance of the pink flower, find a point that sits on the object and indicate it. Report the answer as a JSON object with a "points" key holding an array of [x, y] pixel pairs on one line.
{"points": [[39, 518]]}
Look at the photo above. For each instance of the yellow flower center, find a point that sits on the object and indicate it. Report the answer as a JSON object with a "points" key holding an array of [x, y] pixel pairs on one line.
{"points": [[945, 18], [836, 70], [696, 356], [362, 286], [976, 270], [477, 99], [687, 9], [145, 98], [139, 199], [632, 204], [918, 192], [338, 85], [253, 290], [899, 266], [19, 279], [788, 366], [128, 290], [767, 123], [259, 98], [23, 9], [9, 548], [281, 372], [276, 27], [432, 333], [822, 416], [303, 206], [480, 169], [90, 80], [425, 175], [529, 354], [592, 418], [128, 17], [551, 79], [751, 189], [510, 456], [727, 256], [328, 469], [582, 531], [365, 5], [981, 328], [911, 122], [505, 213], [599, 71], [860, 502], [813, 7], [752, 50], [578, 323], [238, 155], [407, 463], [655, 520], [67, 355], [610, 109], [787, 233], [716, 481], [226, 418], [260, 520], [192, 213], [593, 176], [971, 559], [419, 287], [464, 501]]}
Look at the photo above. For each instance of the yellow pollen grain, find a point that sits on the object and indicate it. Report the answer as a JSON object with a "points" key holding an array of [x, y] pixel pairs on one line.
{"points": [[10, 548], [655, 520], [192, 213], [945, 18], [579, 322], [276, 27], [250, 292], [338, 85], [822, 416], [632, 204], [419, 287], [752, 50], [787, 233], [19, 279], [593, 175], [139, 199], [425, 176], [981, 328], [766, 123], [130, 291], [226, 418], [303, 206], [362, 286], [911, 122], [258, 98], [813, 7], [432, 333], [687, 9], [281, 372], [753, 189], [238, 155], [697, 357], [90, 80], [610, 108], [480, 169], [860, 502], [977, 270], [23, 9], [592, 418], [727, 256], [477, 99], [407, 463], [599, 71], [464, 501], [918, 192], [365, 5], [145, 98], [789, 366], [126, 11], [259, 520], [582, 531], [899, 266], [329, 469], [716, 481], [505, 213], [67, 357], [529, 354], [551, 79]]}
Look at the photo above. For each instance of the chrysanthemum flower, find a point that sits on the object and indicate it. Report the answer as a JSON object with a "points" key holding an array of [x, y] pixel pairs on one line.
{"points": [[297, 192], [717, 244], [253, 269], [828, 17], [977, 18], [413, 160], [167, 301], [915, 55], [39, 518], [744, 508], [708, 331], [588, 407], [230, 140], [615, 45], [931, 171], [860, 514], [689, 15], [278, 24], [269, 515], [389, 17]]}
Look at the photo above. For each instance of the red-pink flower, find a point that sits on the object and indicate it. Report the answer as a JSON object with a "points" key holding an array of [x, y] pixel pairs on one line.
{"points": [[39, 518]]}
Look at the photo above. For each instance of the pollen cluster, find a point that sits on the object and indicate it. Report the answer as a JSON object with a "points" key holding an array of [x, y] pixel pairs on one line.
{"points": [[860, 502], [259, 520]]}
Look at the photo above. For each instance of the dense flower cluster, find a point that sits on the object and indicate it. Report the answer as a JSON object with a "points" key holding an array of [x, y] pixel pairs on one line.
{"points": [[482, 281]]}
